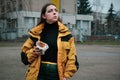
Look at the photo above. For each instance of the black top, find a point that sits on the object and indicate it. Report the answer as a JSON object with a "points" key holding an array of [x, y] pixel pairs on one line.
{"points": [[49, 35]]}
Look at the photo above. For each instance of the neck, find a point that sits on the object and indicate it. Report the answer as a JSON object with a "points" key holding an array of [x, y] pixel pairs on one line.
{"points": [[49, 22]]}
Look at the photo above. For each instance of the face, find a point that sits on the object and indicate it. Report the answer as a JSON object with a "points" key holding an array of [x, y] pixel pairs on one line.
{"points": [[51, 14]]}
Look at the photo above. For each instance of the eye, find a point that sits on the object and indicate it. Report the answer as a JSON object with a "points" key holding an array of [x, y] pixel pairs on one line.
{"points": [[49, 10], [52, 10], [56, 10]]}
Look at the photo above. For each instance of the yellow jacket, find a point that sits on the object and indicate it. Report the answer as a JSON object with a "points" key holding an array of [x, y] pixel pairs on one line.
{"points": [[66, 60]]}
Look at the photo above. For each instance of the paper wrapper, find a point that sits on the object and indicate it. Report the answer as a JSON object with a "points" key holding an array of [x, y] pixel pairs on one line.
{"points": [[42, 46]]}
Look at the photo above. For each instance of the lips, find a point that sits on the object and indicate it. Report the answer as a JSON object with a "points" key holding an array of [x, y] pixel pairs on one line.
{"points": [[55, 17]]}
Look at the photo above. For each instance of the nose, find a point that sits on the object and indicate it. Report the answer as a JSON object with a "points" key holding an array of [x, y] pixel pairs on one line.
{"points": [[54, 12]]}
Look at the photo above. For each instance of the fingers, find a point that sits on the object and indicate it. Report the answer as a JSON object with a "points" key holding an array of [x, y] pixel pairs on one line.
{"points": [[37, 51]]}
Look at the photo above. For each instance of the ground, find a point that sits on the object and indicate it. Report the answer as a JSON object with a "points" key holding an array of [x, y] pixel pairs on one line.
{"points": [[97, 62]]}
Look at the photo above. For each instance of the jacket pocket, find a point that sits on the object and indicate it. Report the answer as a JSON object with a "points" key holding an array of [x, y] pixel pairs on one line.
{"points": [[66, 46], [66, 49]]}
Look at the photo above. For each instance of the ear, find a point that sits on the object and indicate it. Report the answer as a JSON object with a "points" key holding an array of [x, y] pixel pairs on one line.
{"points": [[43, 16]]}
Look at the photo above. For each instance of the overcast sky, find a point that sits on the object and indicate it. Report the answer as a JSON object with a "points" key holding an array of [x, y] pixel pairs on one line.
{"points": [[104, 5]]}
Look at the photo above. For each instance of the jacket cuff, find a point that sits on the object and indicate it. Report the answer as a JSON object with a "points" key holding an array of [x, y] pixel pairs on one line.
{"points": [[67, 75], [31, 56]]}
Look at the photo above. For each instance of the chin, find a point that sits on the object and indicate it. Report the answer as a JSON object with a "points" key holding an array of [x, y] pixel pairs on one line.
{"points": [[55, 20]]}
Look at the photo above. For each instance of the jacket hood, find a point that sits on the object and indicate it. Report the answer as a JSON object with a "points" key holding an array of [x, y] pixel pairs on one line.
{"points": [[35, 32]]}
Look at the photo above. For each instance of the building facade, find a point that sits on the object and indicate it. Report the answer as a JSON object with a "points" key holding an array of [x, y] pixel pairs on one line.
{"points": [[17, 17]]}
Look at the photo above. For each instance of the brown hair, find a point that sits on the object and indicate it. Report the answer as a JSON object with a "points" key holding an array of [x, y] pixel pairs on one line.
{"points": [[43, 10]]}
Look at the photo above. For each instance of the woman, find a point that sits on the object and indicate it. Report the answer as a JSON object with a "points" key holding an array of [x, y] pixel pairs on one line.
{"points": [[59, 61]]}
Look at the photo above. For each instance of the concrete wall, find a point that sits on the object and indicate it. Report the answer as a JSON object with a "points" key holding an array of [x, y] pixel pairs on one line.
{"points": [[25, 21], [69, 6], [78, 24], [28, 18]]}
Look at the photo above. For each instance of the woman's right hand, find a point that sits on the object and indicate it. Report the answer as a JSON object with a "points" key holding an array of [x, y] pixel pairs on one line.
{"points": [[37, 51]]}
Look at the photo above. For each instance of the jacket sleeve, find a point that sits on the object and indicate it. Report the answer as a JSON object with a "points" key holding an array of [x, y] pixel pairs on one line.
{"points": [[72, 64], [27, 56]]}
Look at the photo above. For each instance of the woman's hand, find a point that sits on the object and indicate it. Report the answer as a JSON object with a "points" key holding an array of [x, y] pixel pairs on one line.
{"points": [[64, 79], [37, 51]]}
